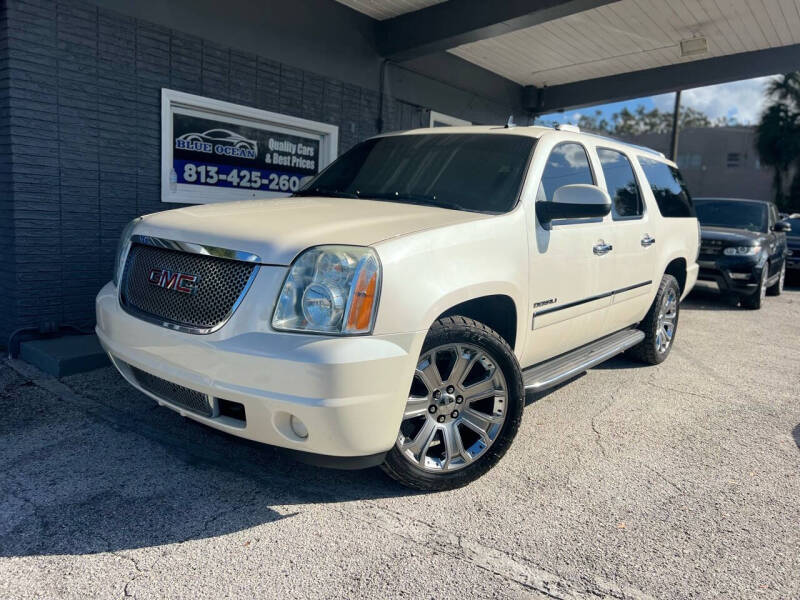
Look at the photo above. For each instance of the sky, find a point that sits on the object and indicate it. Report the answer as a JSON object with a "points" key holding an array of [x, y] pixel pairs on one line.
{"points": [[743, 100]]}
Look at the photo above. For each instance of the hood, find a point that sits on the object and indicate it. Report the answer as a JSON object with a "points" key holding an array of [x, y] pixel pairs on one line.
{"points": [[728, 235], [278, 229]]}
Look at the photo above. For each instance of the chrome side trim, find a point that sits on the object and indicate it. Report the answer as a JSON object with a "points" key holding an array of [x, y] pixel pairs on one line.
{"points": [[545, 311], [194, 248]]}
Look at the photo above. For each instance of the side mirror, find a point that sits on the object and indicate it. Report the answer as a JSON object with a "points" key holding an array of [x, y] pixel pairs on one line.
{"points": [[576, 201], [783, 226]]}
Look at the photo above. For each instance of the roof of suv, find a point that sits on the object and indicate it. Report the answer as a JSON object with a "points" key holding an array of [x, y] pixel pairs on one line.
{"points": [[535, 131]]}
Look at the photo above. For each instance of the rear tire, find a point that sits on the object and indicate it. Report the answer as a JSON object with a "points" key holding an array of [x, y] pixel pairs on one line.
{"points": [[776, 288], [464, 408], [660, 324]]}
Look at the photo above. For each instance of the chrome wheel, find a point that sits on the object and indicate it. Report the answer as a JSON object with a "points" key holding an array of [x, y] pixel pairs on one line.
{"points": [[456, 408], [667, 321]]}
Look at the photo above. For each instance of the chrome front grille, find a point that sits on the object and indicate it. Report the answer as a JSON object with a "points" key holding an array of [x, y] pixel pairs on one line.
{"points": [[218, 286], [172, 392]]}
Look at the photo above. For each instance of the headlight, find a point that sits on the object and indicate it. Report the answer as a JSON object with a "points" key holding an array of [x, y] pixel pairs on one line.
{"points": [[741, 250], [122, 249], [330, 289]]}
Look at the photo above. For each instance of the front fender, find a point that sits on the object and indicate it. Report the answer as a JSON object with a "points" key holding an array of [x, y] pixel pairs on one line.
{"points": [[426, 273]]}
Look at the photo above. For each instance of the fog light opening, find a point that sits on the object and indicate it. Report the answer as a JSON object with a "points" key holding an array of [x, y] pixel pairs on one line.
{"points": [[298, 427]]}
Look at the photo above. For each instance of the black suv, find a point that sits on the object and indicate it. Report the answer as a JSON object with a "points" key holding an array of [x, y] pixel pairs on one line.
{"points": [[742, 248]]}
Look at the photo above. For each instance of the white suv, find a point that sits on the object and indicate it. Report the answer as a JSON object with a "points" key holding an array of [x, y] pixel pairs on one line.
{"points": [[395, 310]]}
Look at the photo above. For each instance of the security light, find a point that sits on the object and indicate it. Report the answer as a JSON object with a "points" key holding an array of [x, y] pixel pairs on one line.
{"points": [[694, 46]]}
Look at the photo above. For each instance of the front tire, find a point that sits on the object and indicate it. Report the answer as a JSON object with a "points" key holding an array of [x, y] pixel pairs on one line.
{"points": [[660, 324], [777, 288], [756, 299], [464, 407]]}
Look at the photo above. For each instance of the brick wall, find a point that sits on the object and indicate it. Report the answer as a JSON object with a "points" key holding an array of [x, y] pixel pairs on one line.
{"points": [[80, 121]]}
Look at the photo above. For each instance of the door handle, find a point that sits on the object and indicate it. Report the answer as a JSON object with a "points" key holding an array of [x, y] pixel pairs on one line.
{"points": [[647, 240], [602, 248]]}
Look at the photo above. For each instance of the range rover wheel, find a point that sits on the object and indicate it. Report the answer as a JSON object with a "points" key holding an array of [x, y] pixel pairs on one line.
{"points": [[756, 299], [660, 324], [464, 407], [776, 288]]}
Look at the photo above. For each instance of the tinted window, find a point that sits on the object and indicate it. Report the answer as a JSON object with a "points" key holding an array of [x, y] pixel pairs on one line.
{"points": [[621, 183], [475, 172], [672, 197], [567, 164], [795, 224], [735, 214]]}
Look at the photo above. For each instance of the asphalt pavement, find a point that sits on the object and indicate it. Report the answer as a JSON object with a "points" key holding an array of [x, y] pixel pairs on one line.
{"points": [[675, 481]]}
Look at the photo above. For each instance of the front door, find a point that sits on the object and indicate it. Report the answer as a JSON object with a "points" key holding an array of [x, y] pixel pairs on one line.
{"points": [[568, 263]]}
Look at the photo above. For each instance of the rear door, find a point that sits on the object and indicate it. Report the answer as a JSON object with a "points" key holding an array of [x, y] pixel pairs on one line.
{"points": [[634, 254]]}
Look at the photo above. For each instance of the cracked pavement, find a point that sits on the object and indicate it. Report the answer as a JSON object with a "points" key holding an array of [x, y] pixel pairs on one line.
{"points": [[629, 482]]}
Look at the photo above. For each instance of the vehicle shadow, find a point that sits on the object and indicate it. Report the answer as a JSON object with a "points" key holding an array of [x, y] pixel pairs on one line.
{"points": [[796, 435], [702, 299], [116, 473]]}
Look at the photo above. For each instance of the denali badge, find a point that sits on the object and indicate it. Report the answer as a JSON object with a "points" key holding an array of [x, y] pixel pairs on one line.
{"points": [[172, 280], [545, 302]]}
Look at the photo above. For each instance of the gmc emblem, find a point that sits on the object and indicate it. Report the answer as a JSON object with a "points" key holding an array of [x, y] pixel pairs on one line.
{"points": [[172, 280]]}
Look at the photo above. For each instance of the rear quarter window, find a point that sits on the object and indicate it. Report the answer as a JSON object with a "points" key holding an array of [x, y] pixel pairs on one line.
{"points": [[667, 185]]}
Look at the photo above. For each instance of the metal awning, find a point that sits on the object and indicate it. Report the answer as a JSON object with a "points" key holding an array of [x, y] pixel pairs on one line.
{"points": [[567, 53]]}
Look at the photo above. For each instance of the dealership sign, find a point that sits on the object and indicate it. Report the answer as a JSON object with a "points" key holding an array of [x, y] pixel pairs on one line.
{"points": [[214, 151]]}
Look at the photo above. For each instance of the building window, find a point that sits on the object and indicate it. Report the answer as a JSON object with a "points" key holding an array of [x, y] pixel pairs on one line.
{"points": [[734, 158]]}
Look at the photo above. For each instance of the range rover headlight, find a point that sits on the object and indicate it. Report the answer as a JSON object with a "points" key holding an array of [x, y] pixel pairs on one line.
{"points": [[330, 289], [741, 250], [122, 249]]}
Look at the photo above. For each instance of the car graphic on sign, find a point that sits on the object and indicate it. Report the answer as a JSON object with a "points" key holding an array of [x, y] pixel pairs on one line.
{"points": [[222, 136]]}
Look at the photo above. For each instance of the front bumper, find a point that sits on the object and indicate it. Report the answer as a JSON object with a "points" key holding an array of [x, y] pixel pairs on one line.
{"points": [[737, 275], [349, 392]]}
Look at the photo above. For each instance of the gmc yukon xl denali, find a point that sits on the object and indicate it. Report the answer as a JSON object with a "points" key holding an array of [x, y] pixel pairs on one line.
{"points": [[394, 311]]}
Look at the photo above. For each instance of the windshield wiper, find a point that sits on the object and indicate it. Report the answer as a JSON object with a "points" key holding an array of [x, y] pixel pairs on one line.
{"points": [[327, 192]]}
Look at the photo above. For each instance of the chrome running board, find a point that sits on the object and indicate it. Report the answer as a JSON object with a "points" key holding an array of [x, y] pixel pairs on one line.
{"points": [[556, 370]]}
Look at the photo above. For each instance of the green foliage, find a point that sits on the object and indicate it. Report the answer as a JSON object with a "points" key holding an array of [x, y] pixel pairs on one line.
{"points": [[778, 136], [627, 123]]}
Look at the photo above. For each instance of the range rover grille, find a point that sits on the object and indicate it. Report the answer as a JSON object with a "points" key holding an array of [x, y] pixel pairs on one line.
{"points": [[217, 285], [172, 392], [711, 247]]}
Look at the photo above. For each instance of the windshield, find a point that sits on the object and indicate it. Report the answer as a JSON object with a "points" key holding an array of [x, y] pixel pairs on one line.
{"points": [[463, 171], [736, 214]]}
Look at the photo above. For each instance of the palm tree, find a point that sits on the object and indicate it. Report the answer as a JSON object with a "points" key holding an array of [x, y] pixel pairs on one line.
{"points": [[786, 88], [778, 132]]}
